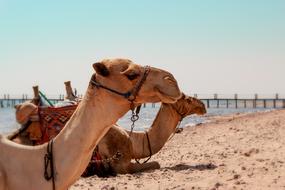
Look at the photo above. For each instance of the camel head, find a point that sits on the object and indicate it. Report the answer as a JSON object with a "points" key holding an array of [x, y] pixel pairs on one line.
{"points": [[123, 75], [187, 105], [24, 111]]}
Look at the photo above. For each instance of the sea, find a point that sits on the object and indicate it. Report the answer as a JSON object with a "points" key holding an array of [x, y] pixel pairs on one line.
{"points": [[147, 114]]}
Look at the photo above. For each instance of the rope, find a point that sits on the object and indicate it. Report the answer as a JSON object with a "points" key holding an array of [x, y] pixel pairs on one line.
{"points": [[130, 95], [46, 99], [116, 157], [174, 132], [21, 130], [150, 151], [48, 159]]}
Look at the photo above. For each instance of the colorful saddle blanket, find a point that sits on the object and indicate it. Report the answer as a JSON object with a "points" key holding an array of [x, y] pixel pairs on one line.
{"points": [[52, 121]]}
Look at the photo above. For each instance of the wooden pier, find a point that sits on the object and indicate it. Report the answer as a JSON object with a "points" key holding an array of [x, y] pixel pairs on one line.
{"points": [[214, 101], [243, 103], [7, 101]]}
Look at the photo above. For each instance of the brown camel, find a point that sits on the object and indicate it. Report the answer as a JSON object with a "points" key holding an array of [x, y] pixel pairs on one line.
{"points": [[22, 167], [135, 145], [26, 115], [26, 108]]}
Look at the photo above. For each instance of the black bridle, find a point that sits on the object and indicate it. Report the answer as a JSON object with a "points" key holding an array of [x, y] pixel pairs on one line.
{"points": [[131, 94]]}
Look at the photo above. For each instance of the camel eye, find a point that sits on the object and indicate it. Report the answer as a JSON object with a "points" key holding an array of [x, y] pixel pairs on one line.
{"points": [[132, 76]]}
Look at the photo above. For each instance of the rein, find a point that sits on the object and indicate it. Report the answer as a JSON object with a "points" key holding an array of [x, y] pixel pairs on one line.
{"points": [[150, 151], [21, 130], [178, 125], [148, 141], [49, 165], [130, 95]]}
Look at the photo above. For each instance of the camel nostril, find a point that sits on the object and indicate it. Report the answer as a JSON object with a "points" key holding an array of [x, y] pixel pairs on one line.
{"points": [[169, 79]]}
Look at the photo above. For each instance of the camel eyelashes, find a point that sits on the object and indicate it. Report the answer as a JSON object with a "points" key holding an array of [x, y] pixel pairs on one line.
{"points": [[132, 76]]}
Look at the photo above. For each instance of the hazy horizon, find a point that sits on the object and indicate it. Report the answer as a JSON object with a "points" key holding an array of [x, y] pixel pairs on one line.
{"points": [[222, 47]]}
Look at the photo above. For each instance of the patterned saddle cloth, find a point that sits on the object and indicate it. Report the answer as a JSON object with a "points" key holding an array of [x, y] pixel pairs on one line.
{"points": [[52, 120]]}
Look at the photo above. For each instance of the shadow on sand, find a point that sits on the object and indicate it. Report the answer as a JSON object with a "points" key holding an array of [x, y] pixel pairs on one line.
{"points": [[200, 167]]}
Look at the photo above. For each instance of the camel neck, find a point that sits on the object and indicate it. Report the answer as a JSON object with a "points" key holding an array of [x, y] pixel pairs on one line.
{"points": [[74, 145], [160, 131]]}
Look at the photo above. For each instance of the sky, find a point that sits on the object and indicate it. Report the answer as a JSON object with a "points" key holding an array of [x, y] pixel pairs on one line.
{"points": [[210, 46]]}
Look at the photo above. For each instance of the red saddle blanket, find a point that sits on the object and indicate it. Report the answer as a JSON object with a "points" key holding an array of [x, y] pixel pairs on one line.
{"points": [[53, 120]]}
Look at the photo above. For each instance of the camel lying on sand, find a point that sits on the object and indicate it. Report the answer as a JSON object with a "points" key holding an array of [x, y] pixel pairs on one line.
{"points": [[135, 145], [68, 154], [26, 115], [138, 145]]}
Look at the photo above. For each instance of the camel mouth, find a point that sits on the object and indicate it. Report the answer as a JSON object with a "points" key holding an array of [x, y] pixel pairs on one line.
{"points": [[169, 99]]}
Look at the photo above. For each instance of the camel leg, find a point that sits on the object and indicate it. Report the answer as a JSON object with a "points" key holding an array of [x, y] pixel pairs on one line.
{"points": [[136, 167]]}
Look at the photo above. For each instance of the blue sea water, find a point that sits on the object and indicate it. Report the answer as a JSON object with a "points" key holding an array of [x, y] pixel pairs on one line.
{"points": [[8, 122]]}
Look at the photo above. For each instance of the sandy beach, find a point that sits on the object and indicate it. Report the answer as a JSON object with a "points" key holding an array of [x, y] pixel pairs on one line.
{"points": [[240, 151]]}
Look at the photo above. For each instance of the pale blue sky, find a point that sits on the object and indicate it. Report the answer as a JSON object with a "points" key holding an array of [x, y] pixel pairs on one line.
{"points": [[222, 46]]}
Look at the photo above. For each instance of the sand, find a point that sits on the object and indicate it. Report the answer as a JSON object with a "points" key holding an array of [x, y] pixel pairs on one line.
{"points": [[241, 151]]}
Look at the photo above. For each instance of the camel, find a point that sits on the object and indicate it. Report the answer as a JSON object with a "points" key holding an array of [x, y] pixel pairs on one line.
{"points": [[26, 115], [135, 145], [131, 146], [22, 167], [26, 108]]}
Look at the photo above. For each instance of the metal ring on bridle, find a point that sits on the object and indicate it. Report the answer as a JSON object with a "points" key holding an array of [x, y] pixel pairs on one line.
{"points": [[134, 118]]}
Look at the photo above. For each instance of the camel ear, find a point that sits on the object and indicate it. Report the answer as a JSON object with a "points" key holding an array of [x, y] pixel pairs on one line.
{"points": [[101, 69]]}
